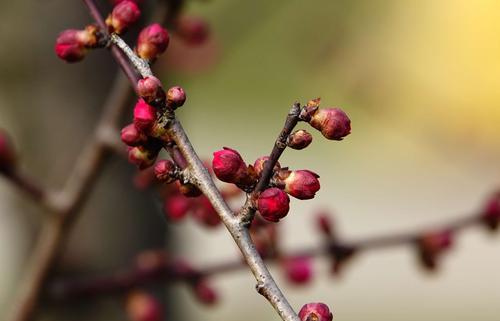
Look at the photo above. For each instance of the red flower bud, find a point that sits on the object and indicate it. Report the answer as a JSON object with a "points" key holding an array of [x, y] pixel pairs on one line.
{"points": [[260, 162], [141, 157], [142, 306], [152, 42], [165, 171], [176, 207], [176, 97], [300, 139], [205, 293], [431, 245], [298, 270], [193, 30], [150, 89], [273, 204], [491, 212], [7, 153], [70, 45], [131, 136], [315, 312], [144, 115], [332, 122], [124, 14], [301, 184], [228, 166]]}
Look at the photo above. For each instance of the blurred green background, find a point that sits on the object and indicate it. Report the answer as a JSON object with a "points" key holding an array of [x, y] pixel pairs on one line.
{"points": [[419, 79]]}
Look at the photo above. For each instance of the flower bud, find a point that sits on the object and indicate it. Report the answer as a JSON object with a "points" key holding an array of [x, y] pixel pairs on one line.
{"points": [[188, 189], [205, 293], [150, 90], [332, 122], [301, 184], [315, 312], [124, 14], [165, 171], [298, 270], [131, 136], [273, 204], [141, 157], [228, 165], [69, 46], [491, 212], [152, 42], [142, 306], [431, 245], [176, 97], [299, 139], [144, 115], [260, 163], [325, 224], [176, 207], [8, 157], [193, 30]]}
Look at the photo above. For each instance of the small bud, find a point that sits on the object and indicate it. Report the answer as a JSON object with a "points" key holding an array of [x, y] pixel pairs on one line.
{"points": [[260, 162], [144, 115], [131, 136], [315, 312], [141, 157], [273, 204], [176, 97], [193, 30], [300, 139], [332, 122], [176, 207], [69, 46], [7, 153], [491, 212], [165, 171], [150, 90], [188, 189], [301, 184], [124, 14], [152, 42], [298, 270], [432, 245], [205, 293], [325, 224], [228, 165], [142, 306]]}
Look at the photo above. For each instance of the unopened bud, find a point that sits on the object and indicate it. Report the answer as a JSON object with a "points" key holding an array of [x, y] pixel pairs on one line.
{"points": [[131, 136], [144, 115], [260, 163], [165, 171], [69, 46], [332, 122], [193, 30], [141, 157], [273, 204], [205, 293], [228, 165], [152, 42], [301, 184], [176, 96], [124, 14], [300, 139], [432, 245], [8, 157], [298, 270], [176, 207], [142, 306], [315, 312], [150, 90]]}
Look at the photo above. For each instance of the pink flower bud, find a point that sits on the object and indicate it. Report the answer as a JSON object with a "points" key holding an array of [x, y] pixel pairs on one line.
{"points": [[176, 207], [260, 162], [205, 293], [228, 165], [131, 136], [141, 157], [299, 139], [315, 312], [176, 97], [8, 158], [124, 14], [193, 30], [298, 270], [69, 46], [301, 184], [273, 204], [332, 122], [150, 89], [165, 171], [491, 212], [142, 306], [144, 115], [152, 42]]}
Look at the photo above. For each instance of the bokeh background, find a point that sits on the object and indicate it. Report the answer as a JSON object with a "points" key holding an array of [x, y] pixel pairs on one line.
{"points": [[419, 79]]}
